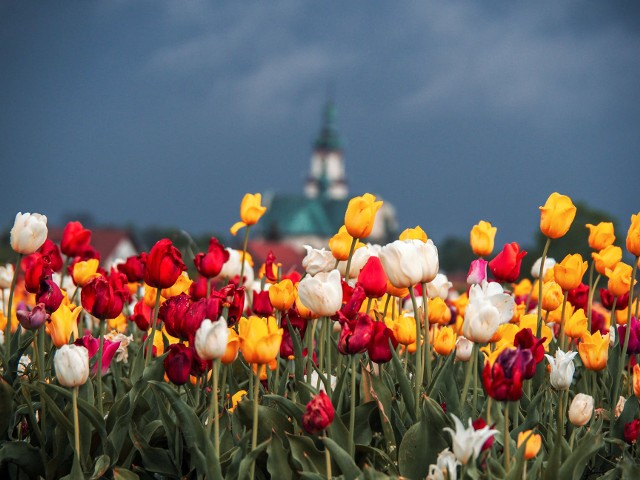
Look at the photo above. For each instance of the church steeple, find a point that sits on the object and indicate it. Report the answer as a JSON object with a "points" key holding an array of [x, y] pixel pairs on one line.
{"points": [[327, 178]]}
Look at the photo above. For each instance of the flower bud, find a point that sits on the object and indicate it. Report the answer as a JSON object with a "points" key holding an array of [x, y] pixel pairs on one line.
{"points": [[29, 232], [633, 235], [551, 296], [556, 215], [211, 339], [72, 365], [360, 215], [601, 235], [581, 409], [477, 272], [34, 318], [481, 238], [562, 369], [464, 348], [322, 293], [533, 443], [318, 260], [319, 414]]}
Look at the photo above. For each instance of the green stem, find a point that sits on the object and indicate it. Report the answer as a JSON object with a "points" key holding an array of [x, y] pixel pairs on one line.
{"points": [[310, 349], [154, 321], [561, 337], [254, 432], [352, 412], [9, 316], [351, 250], [213, 410], [76, 423], [543, 258], [244, 254], [327, 457], [507, 441], [99, 378], [467, 374], [623, 358], [328, 355], [322, 344], [418, 369], [427, 340]]}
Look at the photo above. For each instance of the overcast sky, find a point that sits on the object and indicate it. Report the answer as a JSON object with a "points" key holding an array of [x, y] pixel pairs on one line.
{"points": [[167, 112]]}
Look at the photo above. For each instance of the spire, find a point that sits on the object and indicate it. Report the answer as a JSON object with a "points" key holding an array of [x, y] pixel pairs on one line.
{"points": [[329, 139]]}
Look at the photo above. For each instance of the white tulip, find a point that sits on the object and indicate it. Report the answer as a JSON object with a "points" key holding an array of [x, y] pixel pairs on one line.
{"points": [[29, 232], [464, 347], [468, 442], [562, 369], [317, 261], [6, 275], [72, 365], [439, 287], [548, 263], [446, 467], [322, 293], [581, 409], [358, 260], [211, 339], [409, 262], [488, 308]]}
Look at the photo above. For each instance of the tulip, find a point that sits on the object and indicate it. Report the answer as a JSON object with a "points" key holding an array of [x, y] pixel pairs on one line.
{"points": [[356, 335], [211, 339], [464, 348], [360, 215], [562, 369], [233, 267], [581, 409], [316, 261], [631, 431], [438, 311], [551, 296], [601, 235], [261, 305], [134, 267], [322, 294], [84, 271], [556, 215], [634, 336], [181, 285], [51, 253], [177, 364], [488, 308], [340, 244], [533, 443], [63, 323], [503, 380], [416, 233], [525, 339], [259, 339], [233, 346], [477, 272], [607, 258], [283, 295], [100, 300], [468, 442], [505, 267], [210, 264], [568, 273], [358, 261], [404, 329], [72, 365], [49, 295], [481, 238], [439, 287], [373, 279], [579, 296], [576, 324], [444, 341], [32, 319], [28, 233], [318, 415], [410, 262], [164, 265], [549, 264], [594, 350], [620, 279], [251, 210], [379, 347], [6, 275], [633, 235], [92, 345], [636, 380], [446, 466], [75, 239]]}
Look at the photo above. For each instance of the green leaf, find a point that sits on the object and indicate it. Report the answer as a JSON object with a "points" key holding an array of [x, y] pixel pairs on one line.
{"points": [[124, 474], [153, 459], [305, 455], [342, 458], [102, 465], [381, 461], [629, 412], [269, 420], [405, 386], [76, 470], [574, 466], [277, 460], [374, 388], [245, 464], [24, 456], [292, 409], [6, 408]]}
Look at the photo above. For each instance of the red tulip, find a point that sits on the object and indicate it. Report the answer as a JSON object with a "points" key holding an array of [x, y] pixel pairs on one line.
{"points": [[299, 324], [606, 297], [505, 267], [133, 267], [478, 424], [49, 295], [173, 313], [319, 414], [99, 298], [36, 268], [210, 264], [526, 340], [503, 380], [51, 253], [142, 315], [177, 364], [579, 296], [164, 265], [373, 279], [92, 345], [261, 304], [631, 431], [379, 346], [269, 271], [356, 335], [75, 239], [198, 288]]}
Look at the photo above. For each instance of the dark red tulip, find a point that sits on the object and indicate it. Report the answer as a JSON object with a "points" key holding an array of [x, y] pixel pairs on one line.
{"points": [[100, 300], [598, 323], [164, 265], [503, 380], [356, 335], [526, 340], [261, 304], [35, 269], [606, 297], [177, 364], [142, 315], [34, 318], [210, 264], [299, 324], [505, 267], [173, 313], [233, 298], [75, 239], [319, 414], [352, 306], [51, 253], [49, 295], [634, 336], [579, 296], [373, 279], [379, 347], [133, 267], [198, 288], [631, 431], [270, 267]]}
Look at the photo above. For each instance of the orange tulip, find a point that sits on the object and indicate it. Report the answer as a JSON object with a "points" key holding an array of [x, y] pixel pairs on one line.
{"points": [[445, 341], [233, 345], [360, 215], [556, 215], [416, 233], [481, 238], [568, 273], [601, 235], [533, 443], [551, 296], [633, 235], [620, 279], [594, 350], [340, 244], [282, 295], [607, 258]]}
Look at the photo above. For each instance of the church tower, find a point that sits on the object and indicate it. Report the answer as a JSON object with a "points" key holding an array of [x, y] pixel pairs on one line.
{"points": [[327, 177]]}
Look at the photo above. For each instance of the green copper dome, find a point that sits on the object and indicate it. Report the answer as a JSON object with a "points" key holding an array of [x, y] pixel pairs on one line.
{"points": [[329, 138]]}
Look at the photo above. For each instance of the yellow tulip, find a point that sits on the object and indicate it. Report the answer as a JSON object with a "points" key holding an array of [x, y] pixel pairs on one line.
{"points": [[601, 235], [414, 234], [395, 291], [340, 244], [150, 296], [551, 296], [533, 443], [461, 303], [444, 341], [236, 398], [119, 323], [233, 345], [607, 258], [438, 311], [181, 286], [621, 315], [14, 320], [568, 273], [556, 215], [250, 212], [360, 215], [594, 350], [620, 279], [636, 380], [259, 339], [282, 295], [555, 316], [633, 235], [576, 325], [481, 238], [85, 271], [522, 288], [404, 329], [303, 310], [64, 322]]}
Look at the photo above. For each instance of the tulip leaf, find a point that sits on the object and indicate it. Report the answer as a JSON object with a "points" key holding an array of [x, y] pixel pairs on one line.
{"points": [[251, 458], [305, 455], [381, 461], [6, 408], [574, 465], [405, 385], [76, 470], [299, 361], [292, 409], [23, 456], [277, 460], [102, 465], [338, 391], [380, 394], [268, 420], [52, 407], [124, 474], [517, 469], [342, 458], [153, 459], [423, 442]]}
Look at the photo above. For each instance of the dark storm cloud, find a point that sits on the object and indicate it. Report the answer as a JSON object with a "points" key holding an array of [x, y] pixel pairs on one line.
{"points": [[168, 112]]}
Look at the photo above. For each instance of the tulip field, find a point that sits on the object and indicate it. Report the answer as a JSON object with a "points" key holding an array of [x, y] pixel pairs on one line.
{"points": [[365, 363]]}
